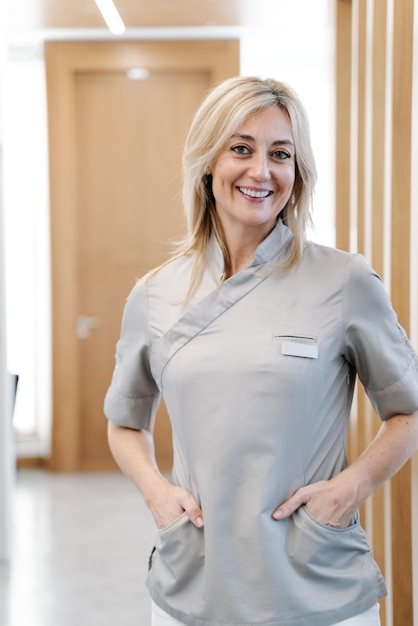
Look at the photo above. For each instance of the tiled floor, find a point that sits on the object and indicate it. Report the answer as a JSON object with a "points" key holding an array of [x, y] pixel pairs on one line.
{"points": [[80, 552]]}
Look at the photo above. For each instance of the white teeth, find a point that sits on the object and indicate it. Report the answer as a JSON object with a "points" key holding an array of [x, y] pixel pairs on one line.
{"points": [[254, 194]]}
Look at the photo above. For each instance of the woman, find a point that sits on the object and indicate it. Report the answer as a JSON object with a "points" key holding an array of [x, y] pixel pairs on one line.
{"points": [[254, 336]]}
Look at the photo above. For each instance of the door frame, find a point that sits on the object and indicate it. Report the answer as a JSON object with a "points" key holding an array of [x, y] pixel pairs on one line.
{"points": [[220, 59]]}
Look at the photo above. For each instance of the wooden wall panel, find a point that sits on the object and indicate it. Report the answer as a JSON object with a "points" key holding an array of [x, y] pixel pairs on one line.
{"points": [[343, 122], [373, 216], [378, 133], [400, 285]]}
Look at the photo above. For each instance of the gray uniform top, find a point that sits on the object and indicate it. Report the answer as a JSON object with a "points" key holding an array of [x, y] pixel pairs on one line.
{"points": [[258, 378]]}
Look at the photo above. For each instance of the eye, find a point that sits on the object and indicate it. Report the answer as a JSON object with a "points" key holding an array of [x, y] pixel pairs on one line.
{"points": [[240, 149], [281, 155]]}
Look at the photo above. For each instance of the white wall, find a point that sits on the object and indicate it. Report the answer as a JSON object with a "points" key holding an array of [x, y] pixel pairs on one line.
{"points": [[6, 440], [6, 437], [26, 222]]}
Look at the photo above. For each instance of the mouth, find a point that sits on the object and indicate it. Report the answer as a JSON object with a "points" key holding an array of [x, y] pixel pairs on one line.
{"points": [[255, 193]]}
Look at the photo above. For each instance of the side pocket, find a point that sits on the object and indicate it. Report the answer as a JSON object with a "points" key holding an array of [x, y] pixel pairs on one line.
{"points": [[150, 558], [177, 560], [177, 522], [336, 559], [355, 521]]}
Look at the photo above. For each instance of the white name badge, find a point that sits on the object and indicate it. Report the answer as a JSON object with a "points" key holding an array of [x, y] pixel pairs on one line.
{"points": [[298, 348]]}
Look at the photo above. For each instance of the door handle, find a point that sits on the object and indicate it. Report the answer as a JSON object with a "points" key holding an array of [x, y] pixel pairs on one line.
{"points": [[85, 324]]}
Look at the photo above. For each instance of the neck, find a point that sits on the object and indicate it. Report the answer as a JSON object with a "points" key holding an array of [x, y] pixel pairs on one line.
{"points": [[242, 247], [240, 261]]}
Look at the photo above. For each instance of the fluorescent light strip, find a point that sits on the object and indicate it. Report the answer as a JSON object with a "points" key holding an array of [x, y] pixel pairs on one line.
{"points": [[111, 16]]}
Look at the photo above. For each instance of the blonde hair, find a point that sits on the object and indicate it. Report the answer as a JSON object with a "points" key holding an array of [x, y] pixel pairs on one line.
{"points": [[221, 113]]}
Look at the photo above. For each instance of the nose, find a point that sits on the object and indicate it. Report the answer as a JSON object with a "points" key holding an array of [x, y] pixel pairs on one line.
{"points": [[260, 166]]}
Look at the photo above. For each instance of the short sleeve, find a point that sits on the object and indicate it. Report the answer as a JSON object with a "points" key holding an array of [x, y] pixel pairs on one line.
{"points": [[376, 345], [133, 397]]}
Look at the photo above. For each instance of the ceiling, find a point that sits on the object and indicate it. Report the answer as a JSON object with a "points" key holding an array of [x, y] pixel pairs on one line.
{"points": [[78, 14]]}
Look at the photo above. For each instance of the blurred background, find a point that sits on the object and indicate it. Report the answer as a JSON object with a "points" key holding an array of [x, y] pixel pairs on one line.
{"points": [[270, 41], [92, 123]]}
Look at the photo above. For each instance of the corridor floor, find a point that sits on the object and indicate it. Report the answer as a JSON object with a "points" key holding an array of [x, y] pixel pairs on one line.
{"points": [[80, 552]]}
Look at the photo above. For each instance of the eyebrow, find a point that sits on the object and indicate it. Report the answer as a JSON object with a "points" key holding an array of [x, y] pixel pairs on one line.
{"points": [[278, 142]]}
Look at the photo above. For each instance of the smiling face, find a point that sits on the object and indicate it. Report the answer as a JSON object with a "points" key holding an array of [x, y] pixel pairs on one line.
{"points": [[254, 173]]}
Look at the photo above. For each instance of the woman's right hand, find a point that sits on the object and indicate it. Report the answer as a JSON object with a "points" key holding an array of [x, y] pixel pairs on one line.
{"points": [[133, 450], [169, 502]]}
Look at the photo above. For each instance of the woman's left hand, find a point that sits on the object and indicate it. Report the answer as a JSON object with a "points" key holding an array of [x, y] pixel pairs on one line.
{"points": [[331, 502]]}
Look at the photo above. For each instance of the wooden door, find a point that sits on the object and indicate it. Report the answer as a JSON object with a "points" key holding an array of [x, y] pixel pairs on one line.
{"points": [[115, 161]]}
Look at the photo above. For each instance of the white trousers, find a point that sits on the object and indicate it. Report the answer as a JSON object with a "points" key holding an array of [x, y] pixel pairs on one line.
{"points": [[368, 618]]}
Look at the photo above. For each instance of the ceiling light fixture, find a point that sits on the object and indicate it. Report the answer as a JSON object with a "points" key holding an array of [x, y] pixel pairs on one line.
{"points": [[137, 73], [111, 16]]}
